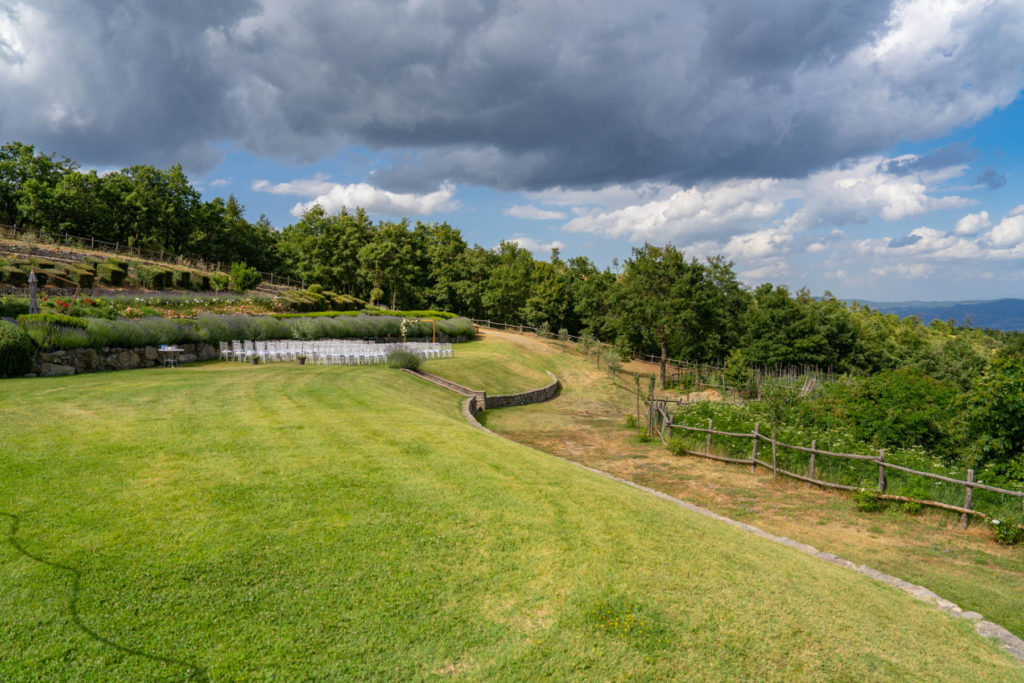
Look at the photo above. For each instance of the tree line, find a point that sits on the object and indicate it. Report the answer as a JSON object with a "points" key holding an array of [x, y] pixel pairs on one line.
{"points": [[659, 301]]}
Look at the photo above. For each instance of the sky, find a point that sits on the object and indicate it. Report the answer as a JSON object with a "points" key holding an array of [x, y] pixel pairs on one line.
{"points": [[871, 149]]}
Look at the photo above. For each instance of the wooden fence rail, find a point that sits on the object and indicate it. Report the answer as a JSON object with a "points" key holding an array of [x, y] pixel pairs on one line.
{"points": [[661, 424]]}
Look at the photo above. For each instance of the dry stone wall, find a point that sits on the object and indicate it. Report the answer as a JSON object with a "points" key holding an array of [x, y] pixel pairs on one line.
{"points": [[77, 361]]}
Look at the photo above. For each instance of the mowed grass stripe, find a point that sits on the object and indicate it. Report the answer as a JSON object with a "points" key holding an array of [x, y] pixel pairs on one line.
{"points": [[287, 522]]}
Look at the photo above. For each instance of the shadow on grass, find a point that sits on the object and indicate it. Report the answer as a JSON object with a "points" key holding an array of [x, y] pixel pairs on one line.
{"points": [[193, 671]]}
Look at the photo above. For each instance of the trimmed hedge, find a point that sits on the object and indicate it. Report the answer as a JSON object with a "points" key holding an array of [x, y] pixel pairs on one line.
{"points": [[111, 274], [13, 275], [60, 331], [16, 350]]}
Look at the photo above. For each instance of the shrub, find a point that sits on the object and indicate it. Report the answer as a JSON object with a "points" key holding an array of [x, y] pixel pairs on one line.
{"points": [[400, 358], [150, 277], [83, 277], [120, 264], [111, 274], [866, 499], [52, 330], [14, 276], [631, 421], [1007, 533], [182, 279], [244, 277], [218, 281], [563, 335], [612, 362], [16, 350], [315, 289], [12, 308]]}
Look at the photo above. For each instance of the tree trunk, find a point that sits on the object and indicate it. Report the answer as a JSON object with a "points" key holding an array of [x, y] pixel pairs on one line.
{"points": [[664, 361]]}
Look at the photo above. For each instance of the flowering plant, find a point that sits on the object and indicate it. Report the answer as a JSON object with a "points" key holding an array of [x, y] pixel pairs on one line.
{"points": [[1007, 533]]}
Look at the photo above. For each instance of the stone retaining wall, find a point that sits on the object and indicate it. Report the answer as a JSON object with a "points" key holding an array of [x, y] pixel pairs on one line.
{"points": [[77, 361], [527, 397]]}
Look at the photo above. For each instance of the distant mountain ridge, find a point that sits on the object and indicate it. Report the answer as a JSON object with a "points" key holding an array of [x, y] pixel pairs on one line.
{"points": [[998, 314]]}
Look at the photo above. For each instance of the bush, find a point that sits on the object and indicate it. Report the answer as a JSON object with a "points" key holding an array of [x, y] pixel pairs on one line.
{"points": [[244, 277], [182, 279], [1007, 533], [111, 274], [612, 361], [866, 499], [55, 331], [14, 276], [400, 358], [16, 350], [83, 277], [218, 282], [12, 308], [151, 277]]}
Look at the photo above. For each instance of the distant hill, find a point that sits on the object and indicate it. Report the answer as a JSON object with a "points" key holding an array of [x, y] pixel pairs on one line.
{"points": [[1000, 314]]}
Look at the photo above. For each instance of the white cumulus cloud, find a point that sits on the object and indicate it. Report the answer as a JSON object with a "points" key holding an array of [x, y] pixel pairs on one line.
{"points": [[335, 196], [531, 212]]}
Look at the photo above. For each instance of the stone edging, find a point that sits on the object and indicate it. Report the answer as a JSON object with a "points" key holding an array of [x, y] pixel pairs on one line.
{"points": [[479, 400]]}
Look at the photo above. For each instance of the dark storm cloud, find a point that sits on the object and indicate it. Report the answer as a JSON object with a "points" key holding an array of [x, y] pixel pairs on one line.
{"points": [[512, 95]]}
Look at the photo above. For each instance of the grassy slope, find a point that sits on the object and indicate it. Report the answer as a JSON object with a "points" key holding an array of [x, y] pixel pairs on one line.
{"points": [[279, 522], [585, 424]]}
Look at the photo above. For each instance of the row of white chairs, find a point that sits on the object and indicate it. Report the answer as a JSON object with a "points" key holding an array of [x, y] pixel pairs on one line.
{"points": [[328, 351]]}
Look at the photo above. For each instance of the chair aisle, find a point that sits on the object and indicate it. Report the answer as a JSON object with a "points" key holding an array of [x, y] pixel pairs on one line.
{"points": [[328, 351]]}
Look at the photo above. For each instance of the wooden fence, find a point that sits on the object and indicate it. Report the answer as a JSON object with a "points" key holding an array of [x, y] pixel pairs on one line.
{"points": [[702, 376], [660, 423]]}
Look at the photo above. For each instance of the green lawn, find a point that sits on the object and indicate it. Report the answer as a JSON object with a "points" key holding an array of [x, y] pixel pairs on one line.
{"points": [[278, 522]]}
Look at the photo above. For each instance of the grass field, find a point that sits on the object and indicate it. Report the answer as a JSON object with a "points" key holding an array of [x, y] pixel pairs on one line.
{"points": [[233, 522], [585, 424]]}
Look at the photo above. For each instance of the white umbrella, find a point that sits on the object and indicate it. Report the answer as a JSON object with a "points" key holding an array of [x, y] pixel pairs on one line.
{"points": [[33, 293]]}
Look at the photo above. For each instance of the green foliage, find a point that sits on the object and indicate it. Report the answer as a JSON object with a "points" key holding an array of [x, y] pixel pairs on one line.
{"points": [[401, 358], [1006, 533], [218, 281], [630, 421], [12, 308], [315, 289], [16, 350], [55, 331], [563, 335], [244, 277], [867, 499], [13, 275], [109, 274], [612, 361], [994, 414]]}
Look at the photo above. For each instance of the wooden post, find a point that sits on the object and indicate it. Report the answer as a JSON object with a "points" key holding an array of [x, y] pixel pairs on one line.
{"points": [[668, 423], [707, 446], [881, 471], [753, 454], [965, 519], [775, 466], [810, 470]]}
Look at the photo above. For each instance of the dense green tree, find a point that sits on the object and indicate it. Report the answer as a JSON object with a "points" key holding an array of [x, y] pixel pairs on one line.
{"points": [[508, 286], [665, 300]]}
